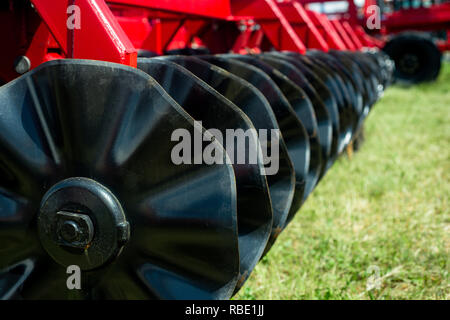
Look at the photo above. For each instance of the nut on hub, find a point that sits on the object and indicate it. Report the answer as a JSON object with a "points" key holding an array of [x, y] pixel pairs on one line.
{"points": [[74, 229], [82, 223]]}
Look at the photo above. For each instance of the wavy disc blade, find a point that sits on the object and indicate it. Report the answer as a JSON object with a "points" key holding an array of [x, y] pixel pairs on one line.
{"points": [[292, 129], [253, 103], [254, 211], [113, 124]]}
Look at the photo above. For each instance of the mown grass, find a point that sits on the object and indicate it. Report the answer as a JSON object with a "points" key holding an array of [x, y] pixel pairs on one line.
{"points": [[384, 214]]}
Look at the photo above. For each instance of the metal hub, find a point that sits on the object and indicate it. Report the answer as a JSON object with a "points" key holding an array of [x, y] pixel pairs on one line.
{"points": [[82, 223], [74, 229]]}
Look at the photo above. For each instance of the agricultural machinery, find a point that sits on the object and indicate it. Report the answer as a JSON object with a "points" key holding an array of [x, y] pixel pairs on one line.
{"points": [[419, 34], [414, 33], [97, 98]]}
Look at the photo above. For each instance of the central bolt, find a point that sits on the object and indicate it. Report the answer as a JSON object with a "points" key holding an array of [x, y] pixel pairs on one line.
{"points": [[70, 231], [74, 229], [82, 223]]}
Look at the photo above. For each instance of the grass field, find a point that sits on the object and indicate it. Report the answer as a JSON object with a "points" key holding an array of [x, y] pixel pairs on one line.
{"points": [[378, 225]]}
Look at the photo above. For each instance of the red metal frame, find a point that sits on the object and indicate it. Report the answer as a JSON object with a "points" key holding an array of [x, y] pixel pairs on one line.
{"points": [[100, 38], [327, 30], [218, 9], [285, 24], [273, 22], [114, 30], [303, 25], [433, 18]]}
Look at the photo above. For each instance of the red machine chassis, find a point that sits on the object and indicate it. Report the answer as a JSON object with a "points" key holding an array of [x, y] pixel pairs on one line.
{"points": [[115, 30]]}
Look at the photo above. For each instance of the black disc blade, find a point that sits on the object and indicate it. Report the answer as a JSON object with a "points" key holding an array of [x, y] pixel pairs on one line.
{"points": [[352, 96], [340, 92], [304, 101], [363, 86], [114, 124], [19, 241], [253, 103], [48, 281], [28, 155], [29, 162], [296, 99], [292, 129], [13, 278], [327, 135], [203, 103], [322, 82], [373, 71], [319, 96]]}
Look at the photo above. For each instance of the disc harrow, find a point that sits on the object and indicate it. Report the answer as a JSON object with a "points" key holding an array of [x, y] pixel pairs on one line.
{"points": [[128, 173], [200, 226]]}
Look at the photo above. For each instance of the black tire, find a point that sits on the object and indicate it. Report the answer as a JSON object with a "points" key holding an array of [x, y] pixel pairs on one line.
{"points": [[417, 58]]}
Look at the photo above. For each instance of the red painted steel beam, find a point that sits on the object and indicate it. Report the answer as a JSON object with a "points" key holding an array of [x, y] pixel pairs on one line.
{"points": [[37, 51], [327, 30], [303, 25], [241, 44], [433, 18], [155, 30], [352, 35], [273, 22], [219, 9], [343, 34], [99, 36], [317, 1], [367, 40], [255, 41], [140, 28]]}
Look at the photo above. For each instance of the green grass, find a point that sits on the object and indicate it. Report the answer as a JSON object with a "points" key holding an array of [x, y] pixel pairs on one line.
{"points": [[385, 212]]}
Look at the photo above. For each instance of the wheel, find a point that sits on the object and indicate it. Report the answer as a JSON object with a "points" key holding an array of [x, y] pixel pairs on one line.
{"points": [[417, 58]]}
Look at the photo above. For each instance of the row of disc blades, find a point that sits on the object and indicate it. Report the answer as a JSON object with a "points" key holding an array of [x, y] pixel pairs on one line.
{"points": [[197, 229]]}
